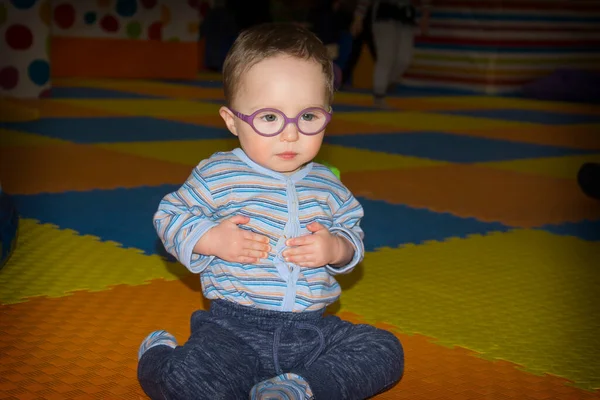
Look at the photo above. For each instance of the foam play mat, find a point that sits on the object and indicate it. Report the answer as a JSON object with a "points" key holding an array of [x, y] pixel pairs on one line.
{"points": [[483, 254]]}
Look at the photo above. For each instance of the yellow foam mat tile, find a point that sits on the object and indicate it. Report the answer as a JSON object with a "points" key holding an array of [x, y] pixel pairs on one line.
{"points": [[188, 152], [429, 121], [526, 296], [9, 137], [348, 159], [16, 111], [51, 262], [557, 167], [487, 102], [156, 108]]}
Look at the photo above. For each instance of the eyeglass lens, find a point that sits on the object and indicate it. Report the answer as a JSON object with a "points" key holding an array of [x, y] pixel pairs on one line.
{"points": [[271, 122]]}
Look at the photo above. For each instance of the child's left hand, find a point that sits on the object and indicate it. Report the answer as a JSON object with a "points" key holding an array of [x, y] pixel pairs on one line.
{"points": [[316, 249]]}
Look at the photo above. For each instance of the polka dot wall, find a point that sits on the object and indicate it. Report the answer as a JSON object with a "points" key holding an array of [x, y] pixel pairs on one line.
{"points": [[26, 27], [130, 19], [24, 45]]}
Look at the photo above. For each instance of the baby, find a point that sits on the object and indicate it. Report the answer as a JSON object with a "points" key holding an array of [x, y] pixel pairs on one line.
{"points": [[267, 230]]}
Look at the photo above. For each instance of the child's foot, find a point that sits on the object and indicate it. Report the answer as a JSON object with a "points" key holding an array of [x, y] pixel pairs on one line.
{"points": [[157, 338], [286, 386]]}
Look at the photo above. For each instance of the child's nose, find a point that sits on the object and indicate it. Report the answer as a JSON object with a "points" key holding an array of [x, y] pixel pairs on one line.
{"points": [[290, 133]]}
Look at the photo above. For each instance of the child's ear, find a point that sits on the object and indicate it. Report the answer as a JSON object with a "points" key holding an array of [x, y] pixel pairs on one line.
{"points": [[229, 119]]}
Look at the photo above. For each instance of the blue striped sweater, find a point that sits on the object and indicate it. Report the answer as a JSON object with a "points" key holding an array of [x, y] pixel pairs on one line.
{"points": [[279, 206]]}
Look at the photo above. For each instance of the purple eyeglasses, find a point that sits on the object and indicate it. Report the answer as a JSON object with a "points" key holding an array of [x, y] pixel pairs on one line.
{"points": [[271, 122]]}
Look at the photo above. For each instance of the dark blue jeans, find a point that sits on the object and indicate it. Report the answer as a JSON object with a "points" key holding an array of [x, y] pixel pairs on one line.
{"points": [[231, 348]]}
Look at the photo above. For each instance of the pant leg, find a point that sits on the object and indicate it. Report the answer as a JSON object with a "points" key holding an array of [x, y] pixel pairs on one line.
{"points": [[365, 36], [384, 36], [213, 364], [359, 362], [404, 50]]}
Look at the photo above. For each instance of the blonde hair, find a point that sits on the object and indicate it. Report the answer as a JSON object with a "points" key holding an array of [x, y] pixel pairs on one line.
{"points": [[269, 40]]}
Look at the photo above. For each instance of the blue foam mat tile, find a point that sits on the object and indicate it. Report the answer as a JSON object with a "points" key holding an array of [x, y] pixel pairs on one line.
{"points": [[131, 211], [117, 129], [95, 93], [392, 225], [586, 230], [532, 116], [120, 215], [451, 148]]}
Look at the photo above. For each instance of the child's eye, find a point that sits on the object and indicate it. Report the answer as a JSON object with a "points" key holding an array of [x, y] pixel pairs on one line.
{"points": [[269, 117], [309, 117]]}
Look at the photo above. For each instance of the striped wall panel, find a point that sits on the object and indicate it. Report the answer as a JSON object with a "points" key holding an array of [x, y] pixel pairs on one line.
{"points": [[496, 46]]}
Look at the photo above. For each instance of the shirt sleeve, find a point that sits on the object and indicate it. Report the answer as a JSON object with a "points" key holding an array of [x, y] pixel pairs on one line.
{"points": [[346, 223], [183, 217]]}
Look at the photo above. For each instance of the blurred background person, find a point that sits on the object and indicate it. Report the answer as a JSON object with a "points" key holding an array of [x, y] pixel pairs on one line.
{"points": [[394, 23]]}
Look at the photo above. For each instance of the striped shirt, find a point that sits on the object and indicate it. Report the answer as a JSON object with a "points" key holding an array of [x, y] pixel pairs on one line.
{"points": [[279, 206]]}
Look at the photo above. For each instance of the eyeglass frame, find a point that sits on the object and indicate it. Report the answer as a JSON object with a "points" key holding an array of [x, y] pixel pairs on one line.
{"points": [[287, 120]]}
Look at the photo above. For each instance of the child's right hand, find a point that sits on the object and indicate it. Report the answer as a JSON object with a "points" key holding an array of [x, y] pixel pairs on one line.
{"points": [[229, 242]]}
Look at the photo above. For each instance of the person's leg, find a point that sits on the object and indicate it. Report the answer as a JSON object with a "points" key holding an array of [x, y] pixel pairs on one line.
{"points": [[365, 36], [212, 364], [384, 35], [404, 51], [359, 361]]}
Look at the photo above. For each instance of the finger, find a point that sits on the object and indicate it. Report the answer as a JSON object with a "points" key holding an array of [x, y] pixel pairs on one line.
{"points": [[252, 245], [298, 251], [300, 258], [300, 241], [239, 219], [254, 253], [255, 237], [315, 227]]}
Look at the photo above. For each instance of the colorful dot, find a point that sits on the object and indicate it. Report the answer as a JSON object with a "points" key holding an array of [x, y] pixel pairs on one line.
{"points": [[165, 15], [126, 8], [89, 17], [64, 15], [134, 29], [46, 12], [149, 4], [39, 72], [9, 77], [155, 31], [3, 13], [18, 37], [109, 23], [23, 4]]}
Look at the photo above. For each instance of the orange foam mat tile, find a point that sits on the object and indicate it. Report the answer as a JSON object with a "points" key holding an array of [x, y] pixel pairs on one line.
{"points": [[577, 136], [513, 198], [85, 346], [66, 167], [436, 372]]}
